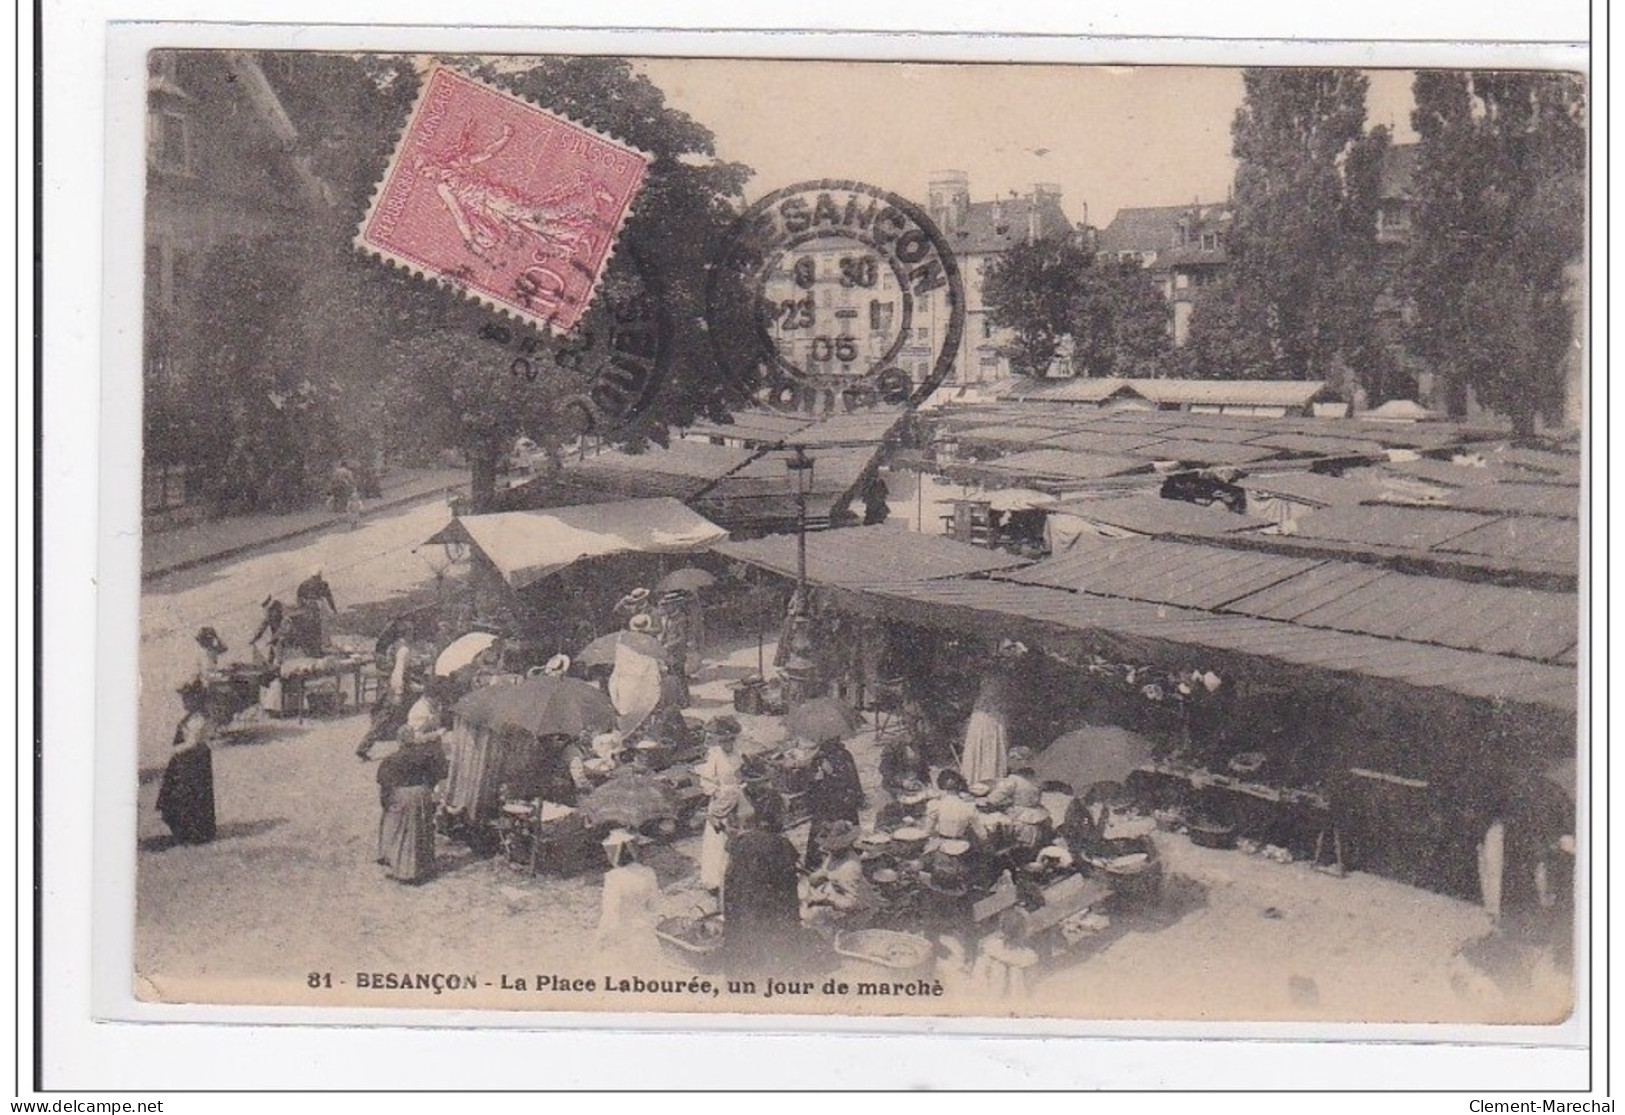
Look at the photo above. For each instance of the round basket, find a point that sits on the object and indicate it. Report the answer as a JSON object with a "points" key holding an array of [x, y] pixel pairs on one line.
{"points": [[886, 953], [907, 843], [1207, 833]]}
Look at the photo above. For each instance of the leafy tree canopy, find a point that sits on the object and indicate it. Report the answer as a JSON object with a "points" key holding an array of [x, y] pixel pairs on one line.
{"points": [[1050, 290], [1500, 186]]}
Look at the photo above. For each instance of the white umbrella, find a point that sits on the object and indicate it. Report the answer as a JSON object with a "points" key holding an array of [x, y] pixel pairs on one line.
{"points": [[461, 651]]}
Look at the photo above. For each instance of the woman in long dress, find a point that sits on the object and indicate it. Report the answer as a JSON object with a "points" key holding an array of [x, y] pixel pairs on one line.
{"points": [[719, 778], [186, 795], [406, 782], [761, 898], [987, 739]]}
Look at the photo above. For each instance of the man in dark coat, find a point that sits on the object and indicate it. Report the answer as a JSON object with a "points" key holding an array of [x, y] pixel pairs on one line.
{"points": [[760, 903], [834, 794]]}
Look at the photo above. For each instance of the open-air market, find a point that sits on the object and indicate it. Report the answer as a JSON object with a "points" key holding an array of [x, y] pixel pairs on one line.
{"points": [[831, 602]]}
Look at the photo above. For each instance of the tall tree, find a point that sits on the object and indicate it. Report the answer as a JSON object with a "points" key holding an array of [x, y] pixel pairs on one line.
{"points": [[341, 354], [1033, 290], [1500, 186], [1047, 291], [1225, 339], [1304, 236]]}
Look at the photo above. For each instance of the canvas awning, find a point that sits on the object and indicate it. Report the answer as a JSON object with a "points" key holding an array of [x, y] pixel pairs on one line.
{"points": [[526, 546], [865, 557]]}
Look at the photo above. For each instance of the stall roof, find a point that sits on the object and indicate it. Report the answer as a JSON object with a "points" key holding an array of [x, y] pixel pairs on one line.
{"points": [[1397, 527], [1311, 488], [1466, 672], [866, 557], [1190, 451], [1206, 577], [1150, 514], [1230, 392], [526, 546], [1549, 541], [682, 470], [1349, 597], [764, 426], [1546, 501], [1065, 465], [1447, 472], [1006, 434], [864, 427], [1131, 444], [1323, 445], [1080, 389]]}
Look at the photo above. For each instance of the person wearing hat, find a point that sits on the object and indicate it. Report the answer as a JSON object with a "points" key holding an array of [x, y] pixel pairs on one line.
{"points": [[627, 915], [903, 768], [839, 890], [672, 615], [210, 650], [952, 815], [834, 793], [635, 601], [427, 716], [186, 795], [406, 782], [307, 629], [719, 776], [389, 711], [760, 898]]}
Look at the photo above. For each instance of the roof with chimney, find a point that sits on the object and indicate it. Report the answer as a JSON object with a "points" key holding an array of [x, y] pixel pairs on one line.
{"points": [[1156, 228], [997, 226]]}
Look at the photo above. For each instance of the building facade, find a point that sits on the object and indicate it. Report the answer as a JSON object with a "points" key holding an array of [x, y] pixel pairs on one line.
{"points": [[1183, 246], [978, 233]]}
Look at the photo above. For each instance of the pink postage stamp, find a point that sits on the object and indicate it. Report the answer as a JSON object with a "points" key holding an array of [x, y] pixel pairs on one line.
{"points": [[516, 205]]}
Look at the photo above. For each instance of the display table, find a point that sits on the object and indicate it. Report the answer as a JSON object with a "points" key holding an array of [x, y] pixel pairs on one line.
{"points": [[326, 686]]}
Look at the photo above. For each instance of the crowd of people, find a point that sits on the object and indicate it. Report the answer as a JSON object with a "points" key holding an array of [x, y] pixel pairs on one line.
{"points": [[779, 901]]}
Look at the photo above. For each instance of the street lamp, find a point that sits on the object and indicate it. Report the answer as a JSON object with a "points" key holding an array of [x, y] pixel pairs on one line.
{"points": [[801, 466], [799, 668]]}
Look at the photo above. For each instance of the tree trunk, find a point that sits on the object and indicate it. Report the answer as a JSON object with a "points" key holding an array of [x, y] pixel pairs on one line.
{"points": [[483, 481]]}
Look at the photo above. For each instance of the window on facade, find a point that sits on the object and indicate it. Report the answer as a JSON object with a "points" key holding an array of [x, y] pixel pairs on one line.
{"points": [[1181, 281], [171, 143], [987, 329], [880, 315], [1210, 241]]}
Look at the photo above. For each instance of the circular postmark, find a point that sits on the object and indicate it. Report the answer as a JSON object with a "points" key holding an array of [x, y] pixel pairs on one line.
{"points": [[606, 371], [834, 293]]}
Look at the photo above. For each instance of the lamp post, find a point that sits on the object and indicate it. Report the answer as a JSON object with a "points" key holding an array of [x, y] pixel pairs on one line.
{"points": [[800, 670], [802, 466]]}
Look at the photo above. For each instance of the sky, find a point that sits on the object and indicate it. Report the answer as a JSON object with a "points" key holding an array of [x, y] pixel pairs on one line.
{"points": [[1110, 136]]}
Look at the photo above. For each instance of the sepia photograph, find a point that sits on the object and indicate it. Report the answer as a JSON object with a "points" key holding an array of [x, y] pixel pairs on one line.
{"points": [[867, 539]]}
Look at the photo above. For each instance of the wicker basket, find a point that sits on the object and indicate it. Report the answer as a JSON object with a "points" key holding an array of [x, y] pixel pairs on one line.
{"points": [[887, 954], [695, 941]]}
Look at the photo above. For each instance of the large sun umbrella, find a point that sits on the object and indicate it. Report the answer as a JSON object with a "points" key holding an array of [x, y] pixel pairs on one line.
{"points": [[601, 651], [629, 799], [823, 718], [1093, 754], [686, 579], [461, 651], [543, 706]]}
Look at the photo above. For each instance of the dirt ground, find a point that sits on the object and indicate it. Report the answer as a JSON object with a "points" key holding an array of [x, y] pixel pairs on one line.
{"points": [[290, 894]]}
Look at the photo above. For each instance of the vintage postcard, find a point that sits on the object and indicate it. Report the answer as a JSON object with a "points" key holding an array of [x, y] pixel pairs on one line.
{"points": [[861, 539]]}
